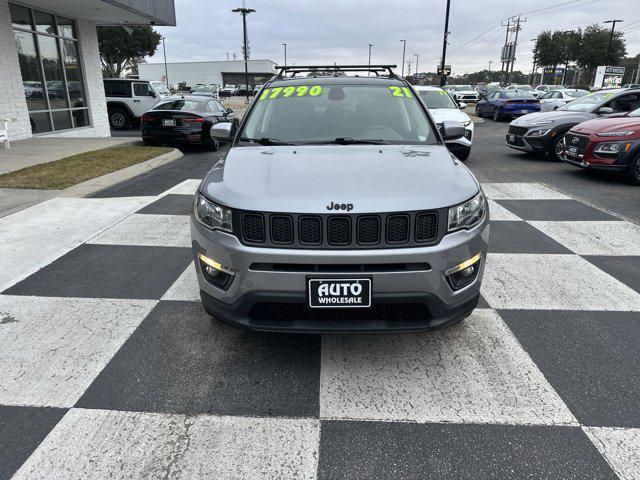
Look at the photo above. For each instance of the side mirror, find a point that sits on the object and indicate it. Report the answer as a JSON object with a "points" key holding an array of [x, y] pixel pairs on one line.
{"points": [[222, 131], [452, 130], [229, 110], [462, 105], [605, 110]]}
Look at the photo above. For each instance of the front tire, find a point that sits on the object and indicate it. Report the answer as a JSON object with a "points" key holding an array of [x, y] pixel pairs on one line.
{"points": [[633, 171], [463, 155], [478, 114], [211, 144], [119, 118], [556, 150]]}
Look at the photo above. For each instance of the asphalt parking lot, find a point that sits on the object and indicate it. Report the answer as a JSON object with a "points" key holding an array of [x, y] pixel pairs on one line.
{"points": [[111, 369]]}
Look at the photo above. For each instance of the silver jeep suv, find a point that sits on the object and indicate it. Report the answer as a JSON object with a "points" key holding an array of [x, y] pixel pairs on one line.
{"points": [[339, 208]]}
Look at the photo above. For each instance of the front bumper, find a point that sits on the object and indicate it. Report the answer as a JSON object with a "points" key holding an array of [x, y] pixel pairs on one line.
{"points": [[614, 167], [275, 300], [530, 144]]}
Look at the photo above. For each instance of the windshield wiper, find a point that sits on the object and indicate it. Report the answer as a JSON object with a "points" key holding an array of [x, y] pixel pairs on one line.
{"points": [[266, 141], [352, 141]]}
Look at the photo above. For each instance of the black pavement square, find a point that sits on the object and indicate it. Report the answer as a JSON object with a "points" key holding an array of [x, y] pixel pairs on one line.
{"points": [[591, 359], [412, 451], [21, 431], [108, 271], [180, 360], [521, 237], [625, 269], [170, 205], [482, 303], [554, 210]]}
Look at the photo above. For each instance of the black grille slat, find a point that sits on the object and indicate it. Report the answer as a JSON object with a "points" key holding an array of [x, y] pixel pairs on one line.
{"points": [[281, 229], [310, 230], [520, 131], [581, 143], [368, 230], [339, 231], [426, 227], [253, 227], [397, 229]]}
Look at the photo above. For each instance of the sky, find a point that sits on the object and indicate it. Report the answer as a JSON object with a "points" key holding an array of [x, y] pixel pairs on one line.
{"points": [[328, 31]]}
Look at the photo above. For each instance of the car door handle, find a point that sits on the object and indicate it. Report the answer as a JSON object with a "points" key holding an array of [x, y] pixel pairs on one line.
{"points": [[137, 101]]}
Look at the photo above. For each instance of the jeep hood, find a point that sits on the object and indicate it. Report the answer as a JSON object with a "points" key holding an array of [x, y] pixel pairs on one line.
{"points": [[374, 178], [557, 117]]}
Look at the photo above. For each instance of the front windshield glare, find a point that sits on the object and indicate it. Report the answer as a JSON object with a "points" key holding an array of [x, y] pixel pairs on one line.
{"points": [[587, 102], [437, 99], [321, 113]]}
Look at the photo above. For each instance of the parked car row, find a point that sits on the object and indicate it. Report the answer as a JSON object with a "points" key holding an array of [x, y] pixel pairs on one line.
{"points": [[598, 131]]}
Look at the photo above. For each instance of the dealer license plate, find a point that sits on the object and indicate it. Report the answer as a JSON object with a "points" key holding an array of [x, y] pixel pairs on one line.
{"points": [[169, 122], [512, 138], [339, 292]]}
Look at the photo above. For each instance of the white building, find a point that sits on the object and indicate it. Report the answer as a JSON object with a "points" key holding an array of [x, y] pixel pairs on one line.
{"points": [[221, 72], [50, 71]]}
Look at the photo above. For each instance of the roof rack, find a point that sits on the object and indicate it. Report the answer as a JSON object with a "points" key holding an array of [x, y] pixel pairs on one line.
{"points": [[295, 69]]}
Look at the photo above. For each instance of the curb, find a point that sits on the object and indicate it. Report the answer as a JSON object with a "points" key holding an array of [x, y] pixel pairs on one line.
{"points": [[95, 184]]}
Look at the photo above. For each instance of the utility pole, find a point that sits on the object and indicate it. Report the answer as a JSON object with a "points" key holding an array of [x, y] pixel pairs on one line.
{"points": [[285, 54], [613, 27], [490, 62], [515, 45], [369, 72], [443, 77], [532, 78], [509, 49], [166, 73], [245, 11], [404, 49], [417, 58], [504, 49], [227, 56], [409, 62]]}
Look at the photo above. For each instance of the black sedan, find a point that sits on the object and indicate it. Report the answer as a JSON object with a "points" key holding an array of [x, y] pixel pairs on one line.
{"points": [[184, 119]]}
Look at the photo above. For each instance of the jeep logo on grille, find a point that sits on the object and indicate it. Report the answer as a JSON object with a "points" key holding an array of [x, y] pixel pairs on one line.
{"points": [[575, 140], [340, 206]]}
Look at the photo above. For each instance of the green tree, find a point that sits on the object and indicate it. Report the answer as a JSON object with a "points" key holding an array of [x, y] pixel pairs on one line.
{"points": [[545, 51], [121, 50], [595, 41]]}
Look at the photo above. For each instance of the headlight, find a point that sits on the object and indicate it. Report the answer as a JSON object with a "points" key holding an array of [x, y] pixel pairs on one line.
{"points": [[212, 216], [615, 134], [541, 122], [540, 132], [607, 148], [468, 214], [467, 123]]}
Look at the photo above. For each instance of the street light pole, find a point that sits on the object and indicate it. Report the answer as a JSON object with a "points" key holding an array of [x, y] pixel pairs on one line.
{"points": [[245, 11], [417, 57], [613, 27], [369, 72], [404, 49], [443, 77], [166, 74], [285, 54]]}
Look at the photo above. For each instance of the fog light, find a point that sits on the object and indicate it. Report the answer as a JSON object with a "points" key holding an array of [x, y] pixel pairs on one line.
{"points": [[463, 274], [216, 273]]}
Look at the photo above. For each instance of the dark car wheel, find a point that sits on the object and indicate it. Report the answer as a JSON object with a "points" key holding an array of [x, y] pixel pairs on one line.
{"points": [[496, 115], [211, 144], [151, 142], [478, 114], [556, 150], [462, 155], [633, 171], [119, 118]]}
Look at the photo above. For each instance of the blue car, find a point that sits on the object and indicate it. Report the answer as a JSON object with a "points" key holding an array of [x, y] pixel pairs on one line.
{"points": [[507, 104]]}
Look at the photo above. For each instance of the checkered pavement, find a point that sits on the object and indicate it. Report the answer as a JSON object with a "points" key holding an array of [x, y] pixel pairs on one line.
{"points": [[109, 367]]}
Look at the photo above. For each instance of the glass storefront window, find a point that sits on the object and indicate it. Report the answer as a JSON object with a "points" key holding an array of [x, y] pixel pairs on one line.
{"points": [[51, 72]]}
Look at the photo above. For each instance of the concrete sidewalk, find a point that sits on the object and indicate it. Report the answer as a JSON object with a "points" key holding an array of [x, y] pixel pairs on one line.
{"points": [[33, 151]]}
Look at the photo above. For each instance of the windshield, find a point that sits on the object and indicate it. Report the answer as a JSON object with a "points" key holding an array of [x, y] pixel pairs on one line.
{"points": [[161, 88], [587, 102], [462, 88], [324, 113], [516, 94], [576, 93], [437, 99], [177, 105]]}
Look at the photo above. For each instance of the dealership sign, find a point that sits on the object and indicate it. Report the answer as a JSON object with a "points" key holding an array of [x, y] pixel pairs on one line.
{"points": [[608, 77]]}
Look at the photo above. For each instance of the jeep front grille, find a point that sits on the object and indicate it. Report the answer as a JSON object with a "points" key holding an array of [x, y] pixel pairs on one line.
{"points": [[346, 231]]}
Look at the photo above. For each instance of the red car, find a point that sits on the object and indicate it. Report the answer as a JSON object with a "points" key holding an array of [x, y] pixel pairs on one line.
{"points": [[611, 143]]}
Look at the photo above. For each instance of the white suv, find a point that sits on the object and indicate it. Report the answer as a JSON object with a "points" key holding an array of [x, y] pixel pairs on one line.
{"points": [[128, 99]]}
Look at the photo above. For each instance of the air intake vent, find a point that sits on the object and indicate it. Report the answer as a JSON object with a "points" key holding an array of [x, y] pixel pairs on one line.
{"points": [[426, 227], [281, 229], [339, 230], [368, 230], [397, 228], [310, 230], [253, 227]]}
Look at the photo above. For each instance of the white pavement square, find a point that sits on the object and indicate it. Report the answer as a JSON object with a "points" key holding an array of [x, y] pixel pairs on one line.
{"points": [[521, 191], [594, 238], [185, 288], [620, 447], [553, 282], [473, 372], [53, 348], [188, 187], [148, 230], [36, 236], [99, 444]]}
